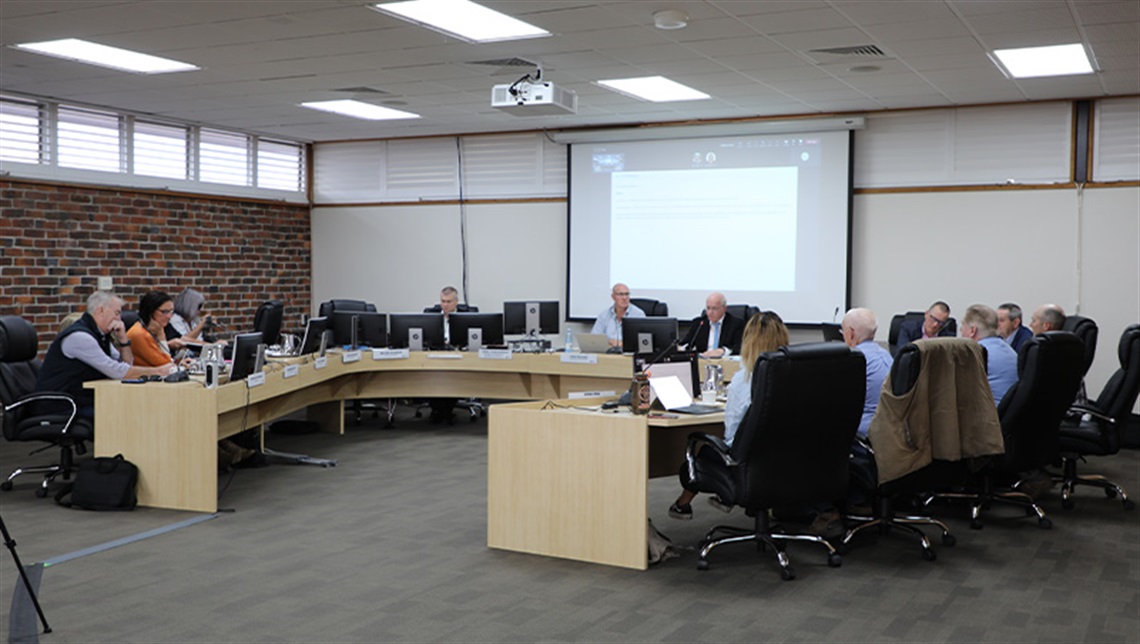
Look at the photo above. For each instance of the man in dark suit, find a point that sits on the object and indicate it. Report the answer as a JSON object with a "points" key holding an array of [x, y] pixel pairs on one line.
{"points": [[932, 325], [714, 333], [1009, 325]]}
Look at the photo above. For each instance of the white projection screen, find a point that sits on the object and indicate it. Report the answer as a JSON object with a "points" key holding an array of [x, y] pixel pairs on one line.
{"points": [[762, 218]]}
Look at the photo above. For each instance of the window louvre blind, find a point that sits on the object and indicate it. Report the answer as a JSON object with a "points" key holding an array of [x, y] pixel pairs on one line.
{"points": [[20, 136], [506, 165], [161, 150], [1116, 146], [422, 169], [349, 172], [89, 140], [223, 157], [280, 166]]}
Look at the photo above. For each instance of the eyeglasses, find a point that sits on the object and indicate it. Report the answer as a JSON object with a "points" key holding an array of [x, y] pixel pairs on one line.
{"points": [[622, 294], [166, 311], [936, 321]]}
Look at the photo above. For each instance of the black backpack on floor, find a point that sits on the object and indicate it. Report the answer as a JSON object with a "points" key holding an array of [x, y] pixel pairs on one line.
{"points": [[102, 483]]}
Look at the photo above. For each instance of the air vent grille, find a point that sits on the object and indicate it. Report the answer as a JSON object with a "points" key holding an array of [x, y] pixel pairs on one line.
{"points": [[857, 51]]}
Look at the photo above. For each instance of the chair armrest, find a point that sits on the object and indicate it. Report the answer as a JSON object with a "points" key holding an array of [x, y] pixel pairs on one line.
{"points": [[42, 396], [698, 440], [1081, 410], [864, 443]]}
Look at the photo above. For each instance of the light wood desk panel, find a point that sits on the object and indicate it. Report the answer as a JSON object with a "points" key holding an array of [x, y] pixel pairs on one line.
{"points": [[574, 484], [170, 430]]}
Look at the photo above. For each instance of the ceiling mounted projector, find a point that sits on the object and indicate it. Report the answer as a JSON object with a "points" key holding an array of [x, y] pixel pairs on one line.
{"points": [[526, 98]]}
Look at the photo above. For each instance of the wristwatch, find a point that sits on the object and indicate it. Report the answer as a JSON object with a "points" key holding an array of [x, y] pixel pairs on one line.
{"points": [[123, 344]]}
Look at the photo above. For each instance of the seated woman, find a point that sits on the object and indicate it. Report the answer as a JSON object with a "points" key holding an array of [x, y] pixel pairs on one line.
{"points": [[148, 335], [764, 332], [189, 319]]}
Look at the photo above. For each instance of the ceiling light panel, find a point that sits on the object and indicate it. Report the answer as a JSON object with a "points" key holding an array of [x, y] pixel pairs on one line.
{"points": [[657, 89], [462, 19], [1035, 62], [104, 56], [360, 110]]}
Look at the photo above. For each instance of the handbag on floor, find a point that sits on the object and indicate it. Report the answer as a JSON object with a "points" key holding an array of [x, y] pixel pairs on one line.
{"points": [[102, 483]]}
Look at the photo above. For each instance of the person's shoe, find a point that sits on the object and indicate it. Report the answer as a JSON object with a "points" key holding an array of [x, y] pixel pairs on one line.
{"points": [[828, 525], [682, 512], [720, 505], [1035, 485]]}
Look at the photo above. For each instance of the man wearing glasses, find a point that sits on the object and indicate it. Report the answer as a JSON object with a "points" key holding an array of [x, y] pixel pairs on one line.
{"points": [[932, 325], [715, 334], [609, 320]]}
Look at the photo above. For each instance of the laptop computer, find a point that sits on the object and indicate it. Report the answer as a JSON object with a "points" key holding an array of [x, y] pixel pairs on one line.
{"points": [[592, 342], [675, 398]]}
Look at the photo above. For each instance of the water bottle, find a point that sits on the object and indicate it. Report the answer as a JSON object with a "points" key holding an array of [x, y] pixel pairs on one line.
{"points": [[569, 340]]}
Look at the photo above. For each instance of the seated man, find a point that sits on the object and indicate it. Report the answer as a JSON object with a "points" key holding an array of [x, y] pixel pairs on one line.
{"points": [[1009, 325], [92, 348], [980, 324], [715, 334], [609, 320], [441, 408], [932, 325], [859, 328], [1047, 317]]}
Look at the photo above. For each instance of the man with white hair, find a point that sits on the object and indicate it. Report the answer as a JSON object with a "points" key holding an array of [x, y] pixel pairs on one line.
{"points": [[980, 324], [1047, 317], [94, 347], [859, 327]]}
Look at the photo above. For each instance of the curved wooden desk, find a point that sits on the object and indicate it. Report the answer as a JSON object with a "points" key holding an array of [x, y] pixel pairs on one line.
{"points": [[170, 430]]}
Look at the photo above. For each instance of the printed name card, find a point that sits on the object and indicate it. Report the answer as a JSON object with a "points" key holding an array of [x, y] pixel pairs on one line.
{"points": [[292, 370], [580, 358], [495, 354], [255, 380], [390, 354], [350, 356], [592, 394], [321, 362]]}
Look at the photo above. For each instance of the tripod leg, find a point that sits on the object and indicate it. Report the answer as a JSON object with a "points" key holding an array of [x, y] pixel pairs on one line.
{"points": [[11, 545]]}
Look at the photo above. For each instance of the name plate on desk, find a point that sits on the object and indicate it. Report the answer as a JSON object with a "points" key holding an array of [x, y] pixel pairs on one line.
{"points": [[495, 354], [580, 358], [321, 362], [591, 394], [350, 356], [292, 370], [255, 380], [390, 354]]}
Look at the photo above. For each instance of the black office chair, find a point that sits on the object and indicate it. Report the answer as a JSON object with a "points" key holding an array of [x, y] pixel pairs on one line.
{"points": [[742, 311], [653, 308], [1085, 329], [268, 320], [1049, 374], [941, 473], [43, 417], [475, 407], [790, 451], [1096, 428], [129, 319], [326, 310]]}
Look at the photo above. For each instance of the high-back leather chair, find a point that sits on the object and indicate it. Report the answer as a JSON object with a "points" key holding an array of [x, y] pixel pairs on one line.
{"points": [[327, 308], [1086, 330], [970, 360], [1096, 428], [1049, 374], [653, 308], [948, 330], [268, 320], [790, 450], [742, 312], [43, 417]]}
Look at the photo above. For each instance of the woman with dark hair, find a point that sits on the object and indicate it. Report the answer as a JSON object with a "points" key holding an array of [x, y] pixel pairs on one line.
{"points": [[764, 332], [148, 335]]}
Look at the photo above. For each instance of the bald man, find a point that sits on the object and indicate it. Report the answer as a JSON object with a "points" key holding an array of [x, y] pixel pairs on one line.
{"points": [[716, 334], [609, 320], [1047, 317], [859, 328]]}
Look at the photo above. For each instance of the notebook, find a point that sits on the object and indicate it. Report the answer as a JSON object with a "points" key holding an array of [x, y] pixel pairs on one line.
{"points": [[592, 342], [673, 396]]}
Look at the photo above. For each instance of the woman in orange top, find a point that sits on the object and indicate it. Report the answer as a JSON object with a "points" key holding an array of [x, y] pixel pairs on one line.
{"points": [[148, 335]]}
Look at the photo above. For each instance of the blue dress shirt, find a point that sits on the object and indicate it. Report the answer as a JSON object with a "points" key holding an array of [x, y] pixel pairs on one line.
{"points": [[879, 363], [739, 400], [1001, 365], [608, 323]]}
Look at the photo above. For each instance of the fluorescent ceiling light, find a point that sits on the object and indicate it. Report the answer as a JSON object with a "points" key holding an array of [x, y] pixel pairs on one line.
{"points": [[463, 19], [1033, 62], [104, 56], [357, 109], [653, 88]]}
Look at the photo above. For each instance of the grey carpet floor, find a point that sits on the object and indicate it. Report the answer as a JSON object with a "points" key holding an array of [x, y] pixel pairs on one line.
{"points": [[390, 546]]}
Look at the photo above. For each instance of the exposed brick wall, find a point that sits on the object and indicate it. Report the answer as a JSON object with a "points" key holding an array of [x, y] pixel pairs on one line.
{"points": [[56, 240]]}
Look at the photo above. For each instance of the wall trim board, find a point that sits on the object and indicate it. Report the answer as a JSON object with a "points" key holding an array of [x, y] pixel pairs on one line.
{"points": [[154, 192], [994, 188], [442, 202]]}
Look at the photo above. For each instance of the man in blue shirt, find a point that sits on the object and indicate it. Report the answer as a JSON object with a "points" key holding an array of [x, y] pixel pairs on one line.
{"points": [[980, 324], [1009, 325], [859, 327], [609, 321]]}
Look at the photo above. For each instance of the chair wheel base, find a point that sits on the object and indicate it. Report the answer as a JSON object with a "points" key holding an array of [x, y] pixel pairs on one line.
{"points": [[702, 565], [1068, 504], [1129, 504], [949, 540], [1045, 523], [787, 574], [41, 492], [834, 560], [929, 555], [6, 486]]}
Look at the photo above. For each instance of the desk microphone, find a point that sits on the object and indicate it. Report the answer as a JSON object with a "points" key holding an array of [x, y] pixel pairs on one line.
{"points": [[692, 336]]}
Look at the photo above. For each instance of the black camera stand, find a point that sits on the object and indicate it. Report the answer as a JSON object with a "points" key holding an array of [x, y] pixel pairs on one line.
{"points": [[11, 545]]}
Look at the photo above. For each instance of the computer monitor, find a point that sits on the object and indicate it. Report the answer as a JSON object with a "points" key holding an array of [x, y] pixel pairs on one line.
{"points": [[315, 329], [268, 320], [532, 316], [682, 364], [429, 324], [832, 332], [663, 332], [371, 329], [489, 325], [245, 355]]}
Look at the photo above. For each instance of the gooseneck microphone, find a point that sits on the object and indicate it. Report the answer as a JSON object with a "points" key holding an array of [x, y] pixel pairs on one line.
{"points": [[693, 332]]}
